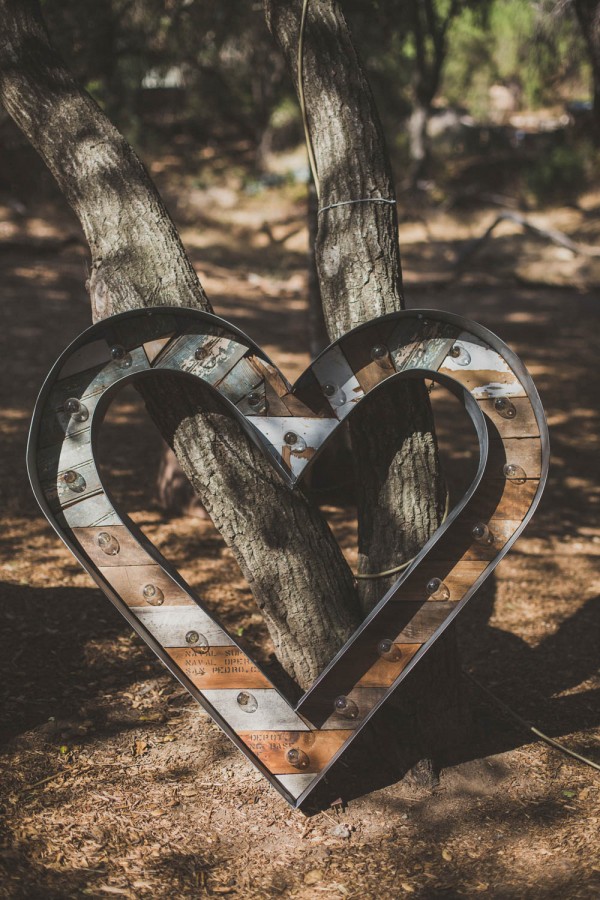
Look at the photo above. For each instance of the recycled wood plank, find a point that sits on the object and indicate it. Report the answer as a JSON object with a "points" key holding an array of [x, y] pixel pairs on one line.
{"points": [[523, 425], [170, 625], [154, 348], [357, 350], [427, 344], [460, 545], [332, 368], [365, 699], [130, 552], [384, 672], [129, 582], [271, 748], [457, 576], [222, 353], [220, 667], [96, 511], [411, 621], [241, 379], [524, 452], [270, 710], [511, 500]]}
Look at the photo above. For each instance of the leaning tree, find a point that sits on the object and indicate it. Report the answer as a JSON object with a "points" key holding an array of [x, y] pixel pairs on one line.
{"points": [[297, 574]]}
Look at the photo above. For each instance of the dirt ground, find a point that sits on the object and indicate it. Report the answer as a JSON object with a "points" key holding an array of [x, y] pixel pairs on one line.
{"points": [[114, 782]]}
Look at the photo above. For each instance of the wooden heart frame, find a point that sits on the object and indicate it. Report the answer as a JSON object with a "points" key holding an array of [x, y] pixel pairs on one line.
{"points": [[294, 746]]}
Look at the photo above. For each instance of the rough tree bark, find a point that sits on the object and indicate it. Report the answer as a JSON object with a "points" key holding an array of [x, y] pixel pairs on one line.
{"points": [[283, 546]]}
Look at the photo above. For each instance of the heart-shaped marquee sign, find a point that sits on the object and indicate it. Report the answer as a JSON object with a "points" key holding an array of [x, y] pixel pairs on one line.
{"points": [[293, 746]]}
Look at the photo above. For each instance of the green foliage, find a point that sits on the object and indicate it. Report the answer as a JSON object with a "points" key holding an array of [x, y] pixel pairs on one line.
{"points": [[524, 44], [561, 173]]}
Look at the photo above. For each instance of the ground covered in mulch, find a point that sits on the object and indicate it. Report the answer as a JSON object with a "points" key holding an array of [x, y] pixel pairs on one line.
{"points": [[115, 783]]}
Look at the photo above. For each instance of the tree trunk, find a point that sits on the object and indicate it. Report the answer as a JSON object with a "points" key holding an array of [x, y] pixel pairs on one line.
{"points": [[588, 13], [400, 492], [282, 544], [417, 141]]}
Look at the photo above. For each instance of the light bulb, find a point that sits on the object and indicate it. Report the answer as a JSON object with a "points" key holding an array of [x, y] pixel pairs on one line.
{"points": [[76, 409], [345, 707], [515, 473], [108, 543], [437, 590], [297, 758], [294, 441], [460, 354], [334, 394], [197, 641], [254, 399], [505, 408], [121, 356], [247, 702], [379, 354], [482, 533], [74, 481], [153, 595], [388, 650]]}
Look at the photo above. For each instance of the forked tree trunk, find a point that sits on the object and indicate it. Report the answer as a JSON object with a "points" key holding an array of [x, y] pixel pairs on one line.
{"points": [[283, 546]]}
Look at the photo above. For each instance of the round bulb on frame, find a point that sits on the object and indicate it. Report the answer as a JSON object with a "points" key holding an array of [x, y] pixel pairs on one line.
{"points": [[345, 707], [108, 543], [153, 595], [514, 473], [505, 408], [77, 410], [297, 758], [388, 650], [74, 481], [247, 702], [460, 354], [437, 590], [121, 356], [482, 533]]}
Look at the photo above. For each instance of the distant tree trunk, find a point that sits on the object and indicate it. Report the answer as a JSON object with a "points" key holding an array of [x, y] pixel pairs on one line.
{"points": [[429, 30], [400, 492], [282, 544], [588, 13]]}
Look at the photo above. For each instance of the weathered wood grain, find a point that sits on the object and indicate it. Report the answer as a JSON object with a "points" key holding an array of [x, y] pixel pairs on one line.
{"points": [[459, 543], [364, 698], [220, 667], [154, 348], [129, 582], [332, 368], [524, 452], [271, 748], [131, 553], [272, 711], [457, 577], [170, 625], [524, 423], [96, 511]]}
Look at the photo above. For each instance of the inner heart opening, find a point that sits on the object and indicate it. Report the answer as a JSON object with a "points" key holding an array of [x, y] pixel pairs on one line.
{"points": [[130, 452]]}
